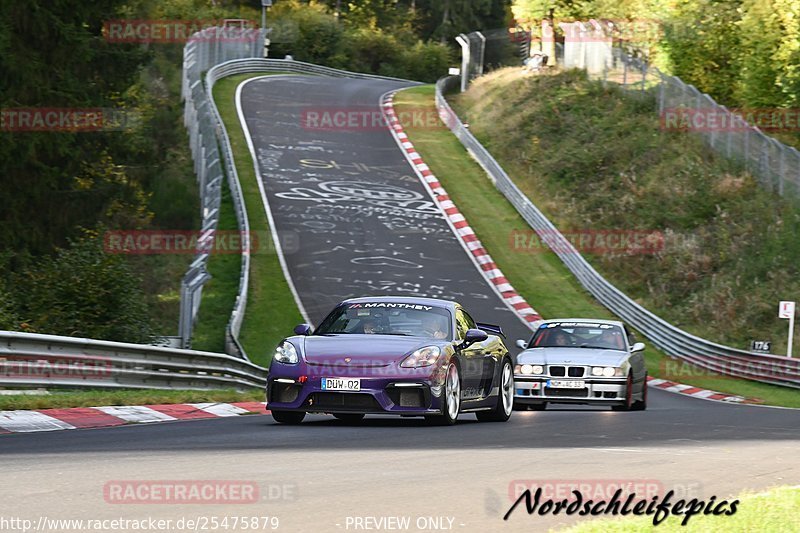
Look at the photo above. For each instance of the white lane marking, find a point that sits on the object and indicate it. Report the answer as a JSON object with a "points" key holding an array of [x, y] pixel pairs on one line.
{"points": [[264, 200], [220, 409], [28, 421], [135, 413]]}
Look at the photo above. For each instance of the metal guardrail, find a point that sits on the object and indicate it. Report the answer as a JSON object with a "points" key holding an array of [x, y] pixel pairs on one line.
{"points": [[672, 340], [205, 49], [32, 360]]}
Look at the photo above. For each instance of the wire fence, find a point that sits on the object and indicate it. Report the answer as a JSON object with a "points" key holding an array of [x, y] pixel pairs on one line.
{"points": [[206, 49], [682, 107]]}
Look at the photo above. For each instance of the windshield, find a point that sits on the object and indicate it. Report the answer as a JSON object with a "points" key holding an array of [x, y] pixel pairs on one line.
{"points": [[578, 335], [388, 318]]}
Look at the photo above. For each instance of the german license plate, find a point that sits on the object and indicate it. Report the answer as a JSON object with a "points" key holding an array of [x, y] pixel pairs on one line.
{"points": [[349, 384], [566, 384]]}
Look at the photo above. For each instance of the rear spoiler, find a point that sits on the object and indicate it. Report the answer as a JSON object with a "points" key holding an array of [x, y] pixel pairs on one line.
{"points": [[491, 328]]}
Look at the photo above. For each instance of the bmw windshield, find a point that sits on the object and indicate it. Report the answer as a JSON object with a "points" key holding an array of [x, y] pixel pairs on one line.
{"points": [[579, 335]]}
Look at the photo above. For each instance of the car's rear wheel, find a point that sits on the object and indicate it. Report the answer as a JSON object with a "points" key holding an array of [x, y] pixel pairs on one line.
{"points": [[288, 417], [628, 396], [505, 397], [641, 405], [451, 402], [350, 418]]}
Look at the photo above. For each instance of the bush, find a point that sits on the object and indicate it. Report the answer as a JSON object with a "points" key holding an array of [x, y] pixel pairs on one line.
{"points": [[83, 291], [426, 61]]}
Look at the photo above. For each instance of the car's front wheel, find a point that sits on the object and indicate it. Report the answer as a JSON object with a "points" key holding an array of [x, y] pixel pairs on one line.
{"points": [[451, 402], [288, 417], [505, 397], [628, 396], [641, 405]]}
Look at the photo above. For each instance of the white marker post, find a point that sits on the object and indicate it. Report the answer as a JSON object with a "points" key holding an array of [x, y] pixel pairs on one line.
{"points": [[786, 310]]}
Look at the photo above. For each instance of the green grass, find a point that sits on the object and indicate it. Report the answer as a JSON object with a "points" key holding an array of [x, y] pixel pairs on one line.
{"points": [[95, 398], [219, 293], [540, 277], [774, 510], [271, 310]]}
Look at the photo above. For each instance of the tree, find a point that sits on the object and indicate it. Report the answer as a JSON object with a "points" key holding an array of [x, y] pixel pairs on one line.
{"points": [[85, 292]]}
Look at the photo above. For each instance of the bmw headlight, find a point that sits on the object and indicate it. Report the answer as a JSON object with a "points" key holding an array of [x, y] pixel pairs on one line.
{"points": [[606, 371], [527, 370], [423, 357], [286, 353]]}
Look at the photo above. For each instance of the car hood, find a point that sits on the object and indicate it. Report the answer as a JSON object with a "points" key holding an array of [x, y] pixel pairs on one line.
{"points": [[572, 356], [362, 350]]}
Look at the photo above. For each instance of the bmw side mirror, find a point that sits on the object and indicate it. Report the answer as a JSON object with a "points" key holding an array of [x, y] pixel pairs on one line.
{"points": [[472, 336], [638, 347], [521, 343], [302, 329]]}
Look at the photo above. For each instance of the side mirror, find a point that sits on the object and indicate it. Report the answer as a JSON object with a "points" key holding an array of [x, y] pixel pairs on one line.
{"points": [[302, 329], [522, 343], [472, 336], [638, 347]]}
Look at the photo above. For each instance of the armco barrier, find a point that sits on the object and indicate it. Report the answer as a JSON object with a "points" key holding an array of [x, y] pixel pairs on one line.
{"points": [[32, 360], [672, 340]]}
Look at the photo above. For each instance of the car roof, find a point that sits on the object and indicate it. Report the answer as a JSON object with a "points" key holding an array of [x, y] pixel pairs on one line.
{"points": [[405, 300], [590, 320]]}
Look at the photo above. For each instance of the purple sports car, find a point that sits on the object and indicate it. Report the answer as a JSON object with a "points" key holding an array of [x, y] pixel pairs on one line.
{"points": [[393, 355]]}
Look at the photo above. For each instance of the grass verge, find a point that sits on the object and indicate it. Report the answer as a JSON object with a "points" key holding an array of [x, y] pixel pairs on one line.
{"points": [[94, 398], [540, 278], [219, 293], [271, 310], [772, 510]]}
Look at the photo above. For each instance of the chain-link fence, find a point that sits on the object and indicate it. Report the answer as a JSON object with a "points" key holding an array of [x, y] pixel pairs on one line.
{"points": [[682, 107], [205, 49], [489, 49]]}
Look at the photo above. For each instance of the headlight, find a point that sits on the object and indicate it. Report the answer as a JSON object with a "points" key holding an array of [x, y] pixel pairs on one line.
{"points": [[423, 357], [285, 353], [607, 371], [527, 369]]}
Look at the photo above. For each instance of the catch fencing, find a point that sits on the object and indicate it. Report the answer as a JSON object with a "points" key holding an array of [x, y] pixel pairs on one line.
{"points": [[672, 340], [681, 106], [212, 162]]}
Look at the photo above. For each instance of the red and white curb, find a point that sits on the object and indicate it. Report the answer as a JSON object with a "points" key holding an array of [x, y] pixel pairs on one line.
{"points": [[460, 225], [696, 392], [101, 417]]}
